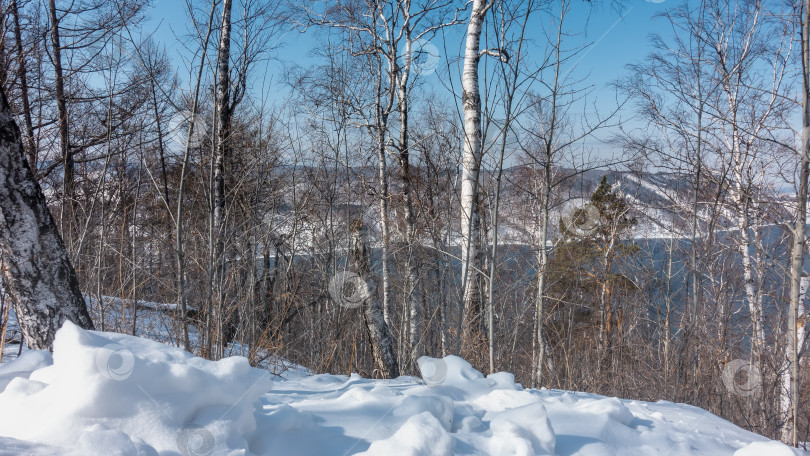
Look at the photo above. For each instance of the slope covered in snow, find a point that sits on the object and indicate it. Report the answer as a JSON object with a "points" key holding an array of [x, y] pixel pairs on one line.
{"points": [[112, 394]]}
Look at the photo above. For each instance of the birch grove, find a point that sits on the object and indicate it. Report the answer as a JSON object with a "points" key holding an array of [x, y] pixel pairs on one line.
{"points": [[352, 185]]}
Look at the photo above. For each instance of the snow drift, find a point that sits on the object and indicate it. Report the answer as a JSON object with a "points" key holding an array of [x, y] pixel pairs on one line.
{"points": [[112, 394]]}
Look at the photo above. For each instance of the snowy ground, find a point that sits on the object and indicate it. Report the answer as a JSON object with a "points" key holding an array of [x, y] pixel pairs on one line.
{"points": [[111, 394]]}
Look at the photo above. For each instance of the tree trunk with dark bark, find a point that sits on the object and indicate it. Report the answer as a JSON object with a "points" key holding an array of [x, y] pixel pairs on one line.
{"points": [[68, 180], [223, 113], [38, 274], [23, 80]]}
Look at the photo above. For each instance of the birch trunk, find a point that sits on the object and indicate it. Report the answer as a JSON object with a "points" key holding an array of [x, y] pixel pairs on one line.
{"points": [[542, 265], [471, 161], [383, 101], [440, 277], [798, 284], [382, 343], [740, 158], [789, 392], [744, 225], [541, 358], [383, 178], [411, 300], [605, 298], [38, 274], [223, 114]]}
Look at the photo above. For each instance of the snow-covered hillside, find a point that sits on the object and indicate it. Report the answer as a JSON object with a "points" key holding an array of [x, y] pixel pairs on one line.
{"points": [[112, 394]]}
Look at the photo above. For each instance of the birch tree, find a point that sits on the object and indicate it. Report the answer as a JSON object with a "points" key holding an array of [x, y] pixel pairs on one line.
{"points": [[789, 396], [672, 88], [417, 23], [382, 344], [37, 273], [471, 322], [387, 37], [363, 41], [749, 62]]}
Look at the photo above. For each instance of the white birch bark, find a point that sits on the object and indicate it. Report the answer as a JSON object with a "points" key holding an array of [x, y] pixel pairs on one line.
{"points": [[789, 398], [541, 358], [471, 162], [383, 201], [797, 336], [741, 158], [382, 108], [754, 304], [411, 300]]}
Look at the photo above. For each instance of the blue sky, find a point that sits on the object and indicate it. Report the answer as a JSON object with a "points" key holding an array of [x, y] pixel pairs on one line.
{"points": [[620, 36]]}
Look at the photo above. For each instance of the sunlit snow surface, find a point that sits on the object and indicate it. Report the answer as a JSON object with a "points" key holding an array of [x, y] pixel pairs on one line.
{"points": [[112, 394]]}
